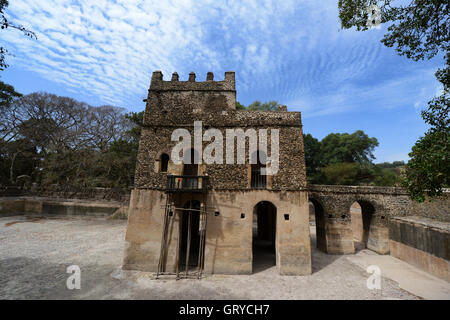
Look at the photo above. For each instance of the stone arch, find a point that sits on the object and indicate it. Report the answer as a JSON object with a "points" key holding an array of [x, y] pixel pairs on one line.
{"points": [[160, 153], [158, 165], [373, 226], [163, 162], [320, 224], [264, 235], [361, 213]]}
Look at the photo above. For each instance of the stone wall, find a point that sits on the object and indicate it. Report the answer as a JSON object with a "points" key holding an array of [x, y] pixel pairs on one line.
{"points": [[422, 242], [45, 206], [388, 201], [69, 192], [378, 205], [176, 104], [229, 233]]}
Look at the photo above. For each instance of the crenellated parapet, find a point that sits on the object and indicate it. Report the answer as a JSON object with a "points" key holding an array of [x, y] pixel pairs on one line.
{"points": [[159, 84]]}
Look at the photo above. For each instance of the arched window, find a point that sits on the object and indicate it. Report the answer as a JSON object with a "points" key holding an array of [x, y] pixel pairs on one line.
{"points": [[164, 162]]}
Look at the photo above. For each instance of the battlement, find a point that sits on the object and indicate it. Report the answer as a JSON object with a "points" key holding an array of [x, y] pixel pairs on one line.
{"points": [[158, 84]]}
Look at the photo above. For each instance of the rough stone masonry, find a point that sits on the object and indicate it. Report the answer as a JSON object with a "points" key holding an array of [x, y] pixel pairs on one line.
{"points": [[237, 199], [236, 194]]}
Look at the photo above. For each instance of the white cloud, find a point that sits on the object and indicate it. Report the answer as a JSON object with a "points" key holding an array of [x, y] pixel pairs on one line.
{"points": [[108, 49]]}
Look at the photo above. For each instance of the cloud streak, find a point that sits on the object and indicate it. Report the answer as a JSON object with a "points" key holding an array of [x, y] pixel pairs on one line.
{"points": [[290, 51]]}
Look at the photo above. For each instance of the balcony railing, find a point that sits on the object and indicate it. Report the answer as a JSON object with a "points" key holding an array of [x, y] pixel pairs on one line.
{"points": [[187, 184], [258, 181]]}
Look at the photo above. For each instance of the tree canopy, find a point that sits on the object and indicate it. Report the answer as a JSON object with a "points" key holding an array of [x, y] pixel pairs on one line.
{"points": [[57, 139], [258, 106], [345, 147], [7, 95], [340, 158], [344, 158], [418, 30]]}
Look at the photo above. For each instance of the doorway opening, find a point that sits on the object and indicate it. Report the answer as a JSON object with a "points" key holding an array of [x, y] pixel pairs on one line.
{"points": [[264, 235], [190, 235], [361, 213], [317, 225]]}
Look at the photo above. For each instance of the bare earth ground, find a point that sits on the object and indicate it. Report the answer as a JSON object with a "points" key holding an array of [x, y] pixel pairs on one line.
{"points": [[35, 252]]}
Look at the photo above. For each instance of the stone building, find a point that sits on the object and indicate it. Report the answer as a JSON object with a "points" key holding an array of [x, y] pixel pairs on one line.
{"points": [[215, 218]]}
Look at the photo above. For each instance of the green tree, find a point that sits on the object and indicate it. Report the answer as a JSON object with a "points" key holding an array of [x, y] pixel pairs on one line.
{"points": [[343, 158], [137, 118], [428, 171], [386, 177], [18, 157], [266, 106], [123, 152], [258, 106], [345, 147], [312, 157], [68, 142], [7, 95], [419, 30], [394, 164], [240, 106], [344, 173]]}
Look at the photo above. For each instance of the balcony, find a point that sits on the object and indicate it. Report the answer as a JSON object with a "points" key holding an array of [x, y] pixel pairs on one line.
{"points": [[258, 181], [187, 184]]}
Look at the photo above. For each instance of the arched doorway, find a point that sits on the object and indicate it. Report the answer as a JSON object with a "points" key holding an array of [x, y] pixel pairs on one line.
{"points": [[361, 213], [164, 162], [189, 235], [264, 235], [317, 223]]}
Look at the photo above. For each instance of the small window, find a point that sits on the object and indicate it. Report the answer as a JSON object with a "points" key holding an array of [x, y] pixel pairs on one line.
{"points": [[242, 215], [216, 213], [286, 216], [164, 162]]}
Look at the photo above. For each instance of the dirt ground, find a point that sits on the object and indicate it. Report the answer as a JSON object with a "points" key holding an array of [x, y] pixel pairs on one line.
{"points": [[35, 252]]}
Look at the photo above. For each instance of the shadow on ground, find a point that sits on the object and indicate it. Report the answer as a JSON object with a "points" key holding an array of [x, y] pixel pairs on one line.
{"points": [[263, 255], [319, 259]]}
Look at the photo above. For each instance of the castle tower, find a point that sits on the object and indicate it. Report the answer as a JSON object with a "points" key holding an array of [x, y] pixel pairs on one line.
{"points": [[165, 228]]}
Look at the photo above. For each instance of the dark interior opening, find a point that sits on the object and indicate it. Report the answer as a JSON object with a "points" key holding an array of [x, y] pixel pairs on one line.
{"points": [[192, 217], [319, 218], [258, 180], [190, 169], [264, 233], [361, 214], [367, 211], [164, 162]]}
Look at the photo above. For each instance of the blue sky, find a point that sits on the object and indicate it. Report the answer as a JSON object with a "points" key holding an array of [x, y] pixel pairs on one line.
{"points": [[294, 52]]}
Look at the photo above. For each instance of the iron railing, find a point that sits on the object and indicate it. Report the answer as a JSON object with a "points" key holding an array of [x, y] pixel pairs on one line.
{"points": [[187, 183], [258, 181]]}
